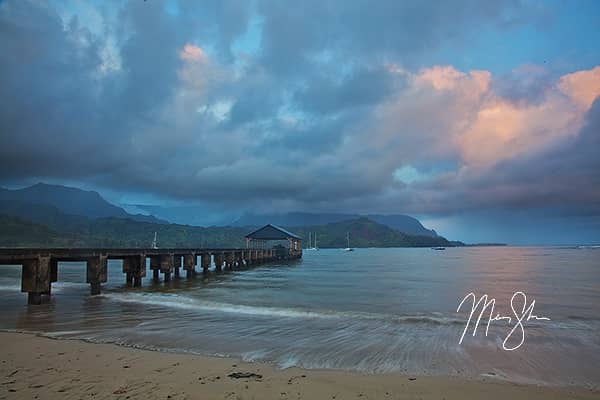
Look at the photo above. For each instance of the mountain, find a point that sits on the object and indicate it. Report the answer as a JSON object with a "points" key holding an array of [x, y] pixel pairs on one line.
{"points": [[67, 200], [78, 231], [365, 232], [15, 232], [185, 215], [53, 215], [402, 223], [62, 230]]}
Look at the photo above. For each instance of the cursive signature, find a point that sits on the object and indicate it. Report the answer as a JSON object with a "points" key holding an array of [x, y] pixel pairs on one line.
{"points": [[521, 315]]}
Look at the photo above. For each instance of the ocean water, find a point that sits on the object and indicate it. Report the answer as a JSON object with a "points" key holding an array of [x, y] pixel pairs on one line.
{"points": [[371, 310]]}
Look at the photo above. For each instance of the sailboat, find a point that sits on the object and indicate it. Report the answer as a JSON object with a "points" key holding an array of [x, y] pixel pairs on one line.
{"points": [[348, 239], [309, 243], [155, 242]]}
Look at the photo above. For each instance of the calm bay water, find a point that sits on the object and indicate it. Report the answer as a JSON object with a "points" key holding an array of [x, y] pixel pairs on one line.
{"points": [[372, 310]]}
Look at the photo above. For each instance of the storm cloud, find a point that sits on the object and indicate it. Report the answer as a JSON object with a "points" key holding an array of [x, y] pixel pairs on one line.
{"points": [[321, 105]]}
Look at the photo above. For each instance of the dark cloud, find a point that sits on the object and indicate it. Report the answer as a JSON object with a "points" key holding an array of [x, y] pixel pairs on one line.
{"points": [[527, 84], [564, 180], [331, 102], [567, 175], [351, 31], [364, 86]]}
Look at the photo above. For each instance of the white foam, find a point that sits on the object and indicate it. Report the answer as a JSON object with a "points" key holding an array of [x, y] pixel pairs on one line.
{"points": [[56, 286], [187, 303], [289, 362], [10, 288]]}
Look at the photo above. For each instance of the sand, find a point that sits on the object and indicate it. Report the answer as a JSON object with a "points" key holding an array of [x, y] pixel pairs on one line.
{"points": [[37, 367]]}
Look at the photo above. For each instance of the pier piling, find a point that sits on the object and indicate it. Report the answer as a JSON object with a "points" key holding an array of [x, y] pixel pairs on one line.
{"points": [[218, 257], [97, 273], [35, 278], [166, 266], [135, 269], [229, 258], [189, 264], [205, 262], [176, 265], [155, 266]]}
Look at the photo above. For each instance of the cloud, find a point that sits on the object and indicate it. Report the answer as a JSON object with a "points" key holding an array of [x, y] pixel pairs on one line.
{"points": [[582, 86], [192, 53], [453, 113], [293, 37], [333, 107]]}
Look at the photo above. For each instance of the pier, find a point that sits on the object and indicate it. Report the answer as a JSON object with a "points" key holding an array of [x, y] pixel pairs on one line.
{"points": [[40, 266]]}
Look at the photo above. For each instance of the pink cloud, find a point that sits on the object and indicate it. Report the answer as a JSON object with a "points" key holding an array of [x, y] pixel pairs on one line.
{"points": [[582, 86], [449, 112], [449, 78], [503, 129], [191, 52], [460, 120]]}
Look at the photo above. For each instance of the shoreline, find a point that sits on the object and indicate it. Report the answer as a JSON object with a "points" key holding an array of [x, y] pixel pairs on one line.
{"points": [[36, 365], [482, 378]]}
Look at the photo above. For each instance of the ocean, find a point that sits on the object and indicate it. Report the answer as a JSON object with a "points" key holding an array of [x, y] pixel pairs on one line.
{"points": [[371, 310]]}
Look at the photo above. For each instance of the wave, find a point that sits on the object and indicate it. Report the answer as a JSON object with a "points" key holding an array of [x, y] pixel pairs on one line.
{"points": [[16, 285], [10, 288], [581, 318], [187, 303]]}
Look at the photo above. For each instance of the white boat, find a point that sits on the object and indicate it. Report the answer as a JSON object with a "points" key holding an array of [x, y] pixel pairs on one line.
{"points": [[309, 243], [348, 239]]}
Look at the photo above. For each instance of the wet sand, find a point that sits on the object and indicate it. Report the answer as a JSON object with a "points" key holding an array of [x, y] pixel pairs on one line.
{"points": [[38, 367]]}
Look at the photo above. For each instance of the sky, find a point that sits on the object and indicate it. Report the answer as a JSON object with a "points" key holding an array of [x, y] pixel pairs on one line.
{"points": [[480, 118]]}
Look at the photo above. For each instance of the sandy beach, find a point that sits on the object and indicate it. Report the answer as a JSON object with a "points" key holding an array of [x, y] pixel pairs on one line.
{"points": [[34, 367]]}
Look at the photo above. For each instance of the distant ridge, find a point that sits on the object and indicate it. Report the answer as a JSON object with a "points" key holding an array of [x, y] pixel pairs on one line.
{"points": [[56, 229], [399, 222], [67, 200], [368, 233], [54, 215]]}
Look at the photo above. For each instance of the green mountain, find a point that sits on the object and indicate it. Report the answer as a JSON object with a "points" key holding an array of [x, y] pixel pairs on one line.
{"points": [[15, 232], [58, 216], [365, 232], [77, 231], [42, 197], [402, 223]]}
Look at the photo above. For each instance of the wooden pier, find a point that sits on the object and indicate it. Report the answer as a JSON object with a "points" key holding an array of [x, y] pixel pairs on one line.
{"points": [[40, 266]]}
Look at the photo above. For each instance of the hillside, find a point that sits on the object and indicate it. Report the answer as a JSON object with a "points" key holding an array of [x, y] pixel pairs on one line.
{"points": [[77, 231], [52, 215], [402, 223], [366, 233], [42, 203], [15, 232], [68, 200], [113, 232]]}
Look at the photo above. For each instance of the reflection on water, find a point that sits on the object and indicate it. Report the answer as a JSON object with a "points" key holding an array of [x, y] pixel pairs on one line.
{"points": [[373, 310]]}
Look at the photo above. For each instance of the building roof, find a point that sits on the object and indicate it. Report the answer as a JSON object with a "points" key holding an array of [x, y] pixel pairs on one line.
{"points": [[272, 232]]}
